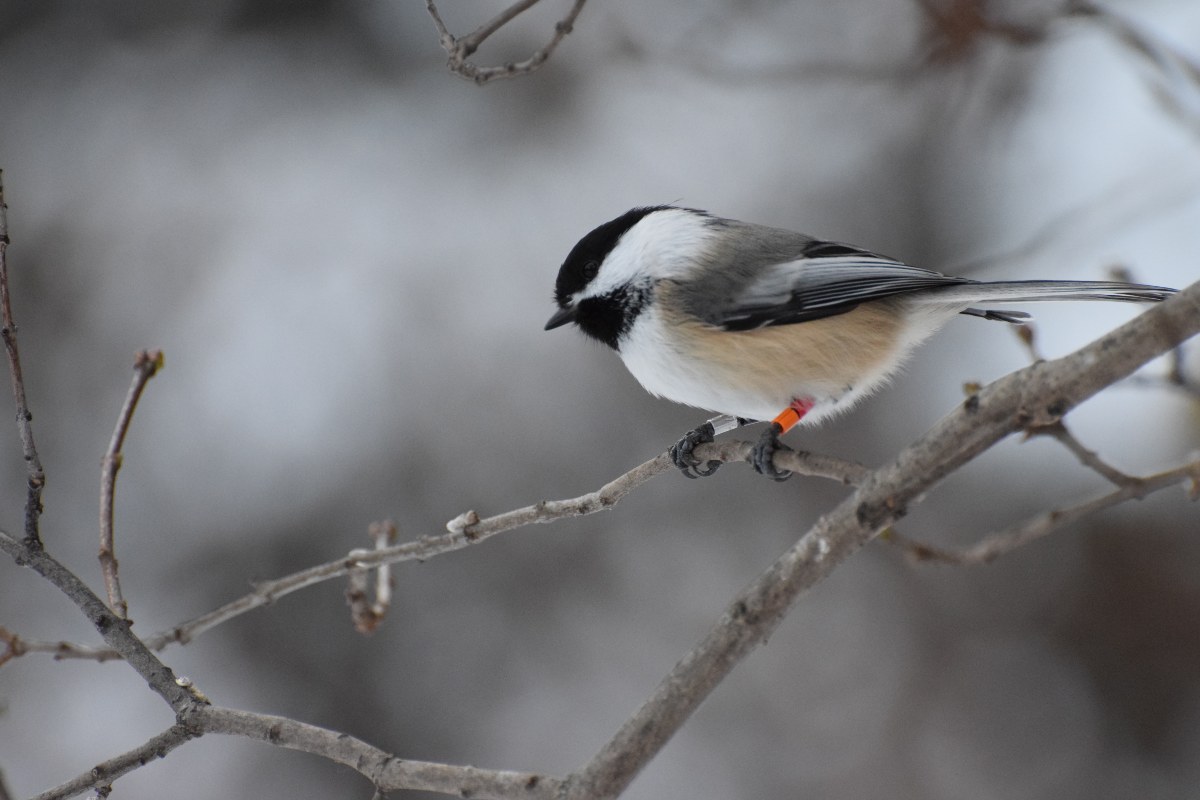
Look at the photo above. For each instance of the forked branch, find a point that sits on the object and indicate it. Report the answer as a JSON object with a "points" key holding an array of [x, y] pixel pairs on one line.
{"points": [[460, 49]]}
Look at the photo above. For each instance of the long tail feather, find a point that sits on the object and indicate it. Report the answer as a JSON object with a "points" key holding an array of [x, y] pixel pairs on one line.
{"points": [[1038, 291]]}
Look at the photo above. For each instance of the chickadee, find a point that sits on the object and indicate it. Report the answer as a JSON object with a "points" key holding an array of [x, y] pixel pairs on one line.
{"points": [[761, 323]]}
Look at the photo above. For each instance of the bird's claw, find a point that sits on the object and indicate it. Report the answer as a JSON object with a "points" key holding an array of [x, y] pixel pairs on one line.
{"points": [[762, 457], [684, 458]]}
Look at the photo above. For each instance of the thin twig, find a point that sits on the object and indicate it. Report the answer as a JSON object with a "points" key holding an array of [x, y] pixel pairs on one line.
{"points": [[464, 530], [105, 773], [1003, 542], [470, 43], [33, 463], [385, 771], [1027, 335], [17, 646], [14, 646], [459, 50], [469, 528], [1177, 374], [994, 545], [1088, 458], [367, 615], [146, 365], [1058, 430]]}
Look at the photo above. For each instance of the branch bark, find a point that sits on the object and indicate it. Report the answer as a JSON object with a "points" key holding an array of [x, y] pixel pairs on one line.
{"points": [[146, 365], [385, 771], [33, 463], [459, 50], [464, 530], [115, 631], [1002, 542], [104, 773]]}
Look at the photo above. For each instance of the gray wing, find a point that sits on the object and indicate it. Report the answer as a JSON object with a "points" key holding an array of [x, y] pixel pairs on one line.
{"points": [[827, 278]]}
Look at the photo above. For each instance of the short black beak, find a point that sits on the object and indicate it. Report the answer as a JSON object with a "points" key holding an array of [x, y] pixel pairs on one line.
{"points": [[560, 318]]}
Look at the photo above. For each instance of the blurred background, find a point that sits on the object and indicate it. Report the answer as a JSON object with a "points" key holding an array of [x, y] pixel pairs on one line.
{"points": [[347, 255]]}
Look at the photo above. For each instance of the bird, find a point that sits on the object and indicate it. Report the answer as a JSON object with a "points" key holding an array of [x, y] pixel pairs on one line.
{"points": [[764, 324]]}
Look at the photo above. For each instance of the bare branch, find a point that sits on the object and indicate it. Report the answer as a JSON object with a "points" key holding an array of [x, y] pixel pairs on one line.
{"points": [[14, 647], [471, 42], [146, 365], [1088, 458], [1002, 542], [463, 531], [115, 630], [801, 462], [1027, 334], [17, 646], [1177, 374], [33, 464], [384, 770], [1176, 379], [105, 773], [1039, 394], [367, 615], [460, 50]]}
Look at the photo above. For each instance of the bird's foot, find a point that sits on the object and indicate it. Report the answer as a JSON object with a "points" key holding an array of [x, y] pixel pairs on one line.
{"points": [[762, 457], [683, 456]]}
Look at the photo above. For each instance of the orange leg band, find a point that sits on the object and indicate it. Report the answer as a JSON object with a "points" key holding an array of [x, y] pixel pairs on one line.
{"points": [[791, 415]]}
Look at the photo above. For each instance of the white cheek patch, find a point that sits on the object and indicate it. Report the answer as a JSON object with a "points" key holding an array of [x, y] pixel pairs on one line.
{"points": [[661, 245]]}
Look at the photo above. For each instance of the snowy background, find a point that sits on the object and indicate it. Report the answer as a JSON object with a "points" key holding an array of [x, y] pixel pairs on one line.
{"points": [[347, 255]]}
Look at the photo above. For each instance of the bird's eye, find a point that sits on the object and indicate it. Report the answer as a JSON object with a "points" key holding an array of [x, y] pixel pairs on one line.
{"points": [[590, 269]]}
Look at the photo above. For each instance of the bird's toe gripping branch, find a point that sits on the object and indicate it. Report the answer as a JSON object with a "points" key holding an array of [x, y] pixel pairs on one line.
{"points": [[685, 459], [762, 457], [682, 451]]}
